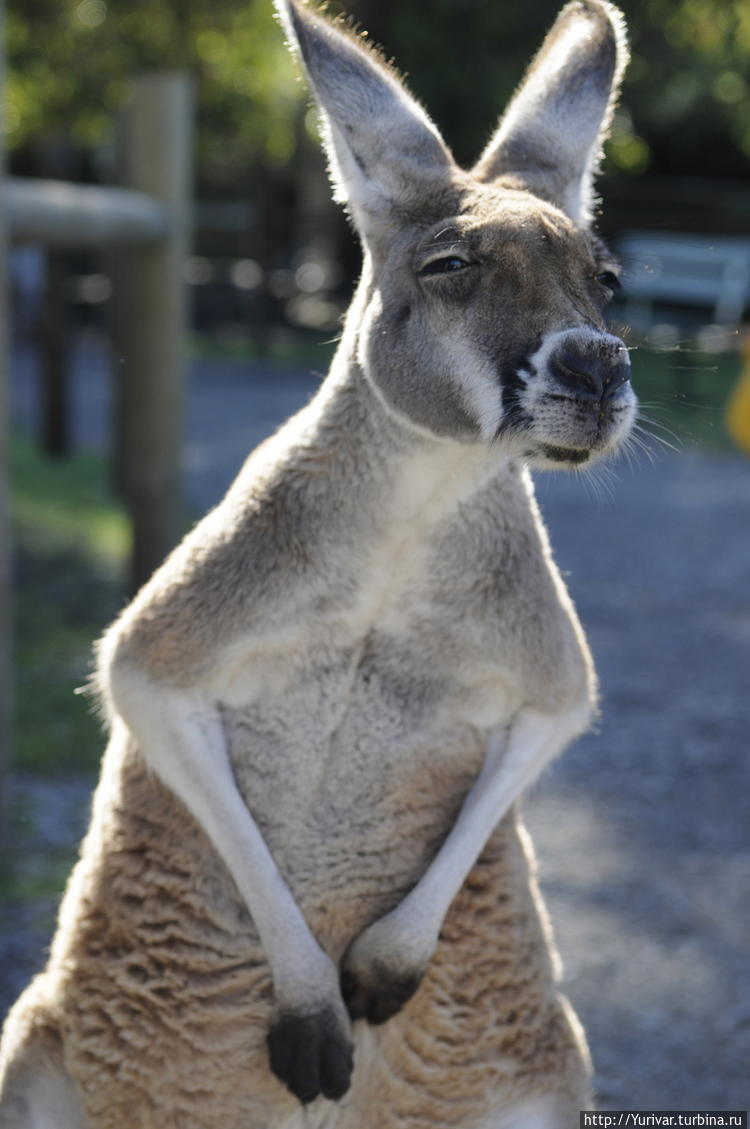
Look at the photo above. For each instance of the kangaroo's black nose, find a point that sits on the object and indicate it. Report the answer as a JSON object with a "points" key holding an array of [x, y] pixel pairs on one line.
{"points": [[591, 371]]}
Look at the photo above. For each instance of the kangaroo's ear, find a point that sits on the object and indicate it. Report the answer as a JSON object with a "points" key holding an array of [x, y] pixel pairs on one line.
{"points": [[383, 150], [552, 132]]}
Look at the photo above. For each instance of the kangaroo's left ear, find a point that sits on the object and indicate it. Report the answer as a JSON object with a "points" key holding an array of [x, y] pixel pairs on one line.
{"points": [[385, 154], [552, 132]]}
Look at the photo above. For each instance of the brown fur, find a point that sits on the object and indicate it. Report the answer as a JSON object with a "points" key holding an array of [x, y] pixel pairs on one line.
{"points": [[160, 996]]}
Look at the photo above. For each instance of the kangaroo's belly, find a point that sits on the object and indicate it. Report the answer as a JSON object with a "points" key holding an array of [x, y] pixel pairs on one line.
{"points": [[161, 987], [353, 825], [355, 773], [354, 761], [157, 962]]}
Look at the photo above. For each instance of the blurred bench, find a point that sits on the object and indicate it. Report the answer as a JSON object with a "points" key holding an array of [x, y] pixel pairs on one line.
{"points": [[708, 272]]}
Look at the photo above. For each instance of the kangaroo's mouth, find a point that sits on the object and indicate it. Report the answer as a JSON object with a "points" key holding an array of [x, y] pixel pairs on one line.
{"points": [[571, 456], [567, 432]]}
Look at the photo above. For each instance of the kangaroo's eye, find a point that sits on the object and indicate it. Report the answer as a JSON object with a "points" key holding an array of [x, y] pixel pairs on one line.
{"points": [[609, 280], [447, 265]]}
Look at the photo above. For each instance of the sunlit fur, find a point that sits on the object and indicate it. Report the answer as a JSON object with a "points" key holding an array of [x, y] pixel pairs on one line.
{"points": [[326, 702]]}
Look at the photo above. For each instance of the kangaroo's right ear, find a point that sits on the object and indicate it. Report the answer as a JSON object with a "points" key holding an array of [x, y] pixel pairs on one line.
{"points": [[552, 132], [383, 150]]}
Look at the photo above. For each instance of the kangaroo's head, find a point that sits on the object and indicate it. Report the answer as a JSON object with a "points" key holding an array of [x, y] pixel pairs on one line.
{"points": [[481, 311]]}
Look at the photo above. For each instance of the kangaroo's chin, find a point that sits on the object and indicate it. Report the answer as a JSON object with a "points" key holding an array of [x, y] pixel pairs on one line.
{"points": [[554, 456], [565, 456]]}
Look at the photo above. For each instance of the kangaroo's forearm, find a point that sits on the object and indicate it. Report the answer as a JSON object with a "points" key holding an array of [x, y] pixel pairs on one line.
{"points": [[180, 736]]}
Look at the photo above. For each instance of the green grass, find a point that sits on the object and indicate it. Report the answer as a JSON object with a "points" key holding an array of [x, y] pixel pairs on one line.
{"points": [[37, 874], [64, 503], [683, 395], [287, 352], [70, 543]]}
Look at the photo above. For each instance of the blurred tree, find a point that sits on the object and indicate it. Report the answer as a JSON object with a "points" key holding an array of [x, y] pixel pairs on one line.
{"points": [[686, 94], [688, 88], [69, 61]]}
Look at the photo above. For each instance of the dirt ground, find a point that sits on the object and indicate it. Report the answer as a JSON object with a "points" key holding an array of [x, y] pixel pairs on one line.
{"points": [[643, 828]]}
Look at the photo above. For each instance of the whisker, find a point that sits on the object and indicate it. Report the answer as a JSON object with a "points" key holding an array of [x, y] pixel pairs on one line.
{"points": [[641, 434], [645, 420], [662, 409], [634, 447], [693, 368], [598, 482], [680, 401], [631, 453]]}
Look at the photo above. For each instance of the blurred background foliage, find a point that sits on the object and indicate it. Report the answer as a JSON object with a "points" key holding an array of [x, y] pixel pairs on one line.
{"points": [[69, 61], [686, 92]]}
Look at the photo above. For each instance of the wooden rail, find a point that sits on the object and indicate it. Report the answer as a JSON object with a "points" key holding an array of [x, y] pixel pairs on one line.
{"points": [[67, 216]]}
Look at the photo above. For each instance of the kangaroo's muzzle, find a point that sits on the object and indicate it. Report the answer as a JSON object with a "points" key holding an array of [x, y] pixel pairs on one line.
{"points": [[594, 368]]}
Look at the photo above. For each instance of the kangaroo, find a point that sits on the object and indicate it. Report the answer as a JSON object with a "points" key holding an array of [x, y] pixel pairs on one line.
{"points": [[306, 897]]}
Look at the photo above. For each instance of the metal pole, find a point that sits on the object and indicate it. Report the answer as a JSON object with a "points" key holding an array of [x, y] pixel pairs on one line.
{"points": [[6, 650], [150, 319]]}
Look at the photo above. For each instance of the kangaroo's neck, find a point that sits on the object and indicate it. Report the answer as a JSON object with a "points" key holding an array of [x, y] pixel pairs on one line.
{"points": [[382, 462]]}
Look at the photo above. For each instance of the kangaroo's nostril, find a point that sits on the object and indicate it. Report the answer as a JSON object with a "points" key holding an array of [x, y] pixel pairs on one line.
{"points": [[592, 374], [616, 379], [580, 373]]}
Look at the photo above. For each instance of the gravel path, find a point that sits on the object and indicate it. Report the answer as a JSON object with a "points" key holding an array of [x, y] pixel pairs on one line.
{"points": [[643, 828]]}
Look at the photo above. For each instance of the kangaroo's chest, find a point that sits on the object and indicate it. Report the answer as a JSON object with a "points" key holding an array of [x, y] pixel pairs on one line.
{"points": [[427, 628], [371, 706], [395, 663], [363, 719], [351, 731]]}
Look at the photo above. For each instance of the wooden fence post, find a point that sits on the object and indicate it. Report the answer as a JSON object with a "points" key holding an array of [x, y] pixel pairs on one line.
{"points": [[150, 319], [6, 619], [55, 421]]}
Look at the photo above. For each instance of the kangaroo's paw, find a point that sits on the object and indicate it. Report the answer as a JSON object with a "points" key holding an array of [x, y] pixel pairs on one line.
{"points": [[384, 966], [379, 993], [311, 1053]]}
